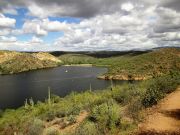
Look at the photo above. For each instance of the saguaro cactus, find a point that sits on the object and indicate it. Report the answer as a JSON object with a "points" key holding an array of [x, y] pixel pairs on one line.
{"points": [[49, 96]]}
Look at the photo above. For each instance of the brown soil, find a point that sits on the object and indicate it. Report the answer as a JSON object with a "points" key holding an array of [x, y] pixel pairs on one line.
{"points": [[163, 119]]}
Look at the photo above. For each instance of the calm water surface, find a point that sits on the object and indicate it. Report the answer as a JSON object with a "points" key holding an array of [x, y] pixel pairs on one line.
{"points": [[15, 89]]}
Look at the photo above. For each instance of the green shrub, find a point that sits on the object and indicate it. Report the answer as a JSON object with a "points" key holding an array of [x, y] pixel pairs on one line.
{"points": [[36, 127], [125, 93], [71, 119], [51, 131], [106, 115], [1, 113], [168, 83], [127, 126], [160, 86], [87, 128], [134, 108], [49, 115], [152, 96], [55, 98]]}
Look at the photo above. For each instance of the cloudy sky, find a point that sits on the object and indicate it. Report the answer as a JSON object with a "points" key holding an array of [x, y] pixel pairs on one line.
{"points": [[81, 25]]}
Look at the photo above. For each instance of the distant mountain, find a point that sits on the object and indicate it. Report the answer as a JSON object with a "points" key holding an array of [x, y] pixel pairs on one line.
{"points": [[15, 62], [101, 54], [105, 54]]}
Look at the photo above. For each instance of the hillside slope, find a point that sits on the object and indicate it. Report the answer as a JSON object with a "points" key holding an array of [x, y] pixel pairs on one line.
{"points": [[128, 66], [141, 67], [15, 62]]}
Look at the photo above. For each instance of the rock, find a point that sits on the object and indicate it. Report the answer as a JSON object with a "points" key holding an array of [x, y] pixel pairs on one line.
{"points": [[123, 77]]}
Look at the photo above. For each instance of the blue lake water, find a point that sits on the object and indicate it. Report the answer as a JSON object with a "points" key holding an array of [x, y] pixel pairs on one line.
{"points": [[15, 89]]}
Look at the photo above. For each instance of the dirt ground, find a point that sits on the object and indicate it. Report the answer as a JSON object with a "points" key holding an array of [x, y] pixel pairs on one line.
{"points": [[163, 119]]}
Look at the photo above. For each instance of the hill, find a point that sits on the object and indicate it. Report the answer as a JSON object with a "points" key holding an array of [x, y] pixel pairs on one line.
{"points": [[131, 66], [15, 62], [141, 67], [100, 54]]}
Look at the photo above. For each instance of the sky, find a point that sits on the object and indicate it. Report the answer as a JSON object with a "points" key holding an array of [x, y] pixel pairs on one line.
{"points": [[88, 25]]}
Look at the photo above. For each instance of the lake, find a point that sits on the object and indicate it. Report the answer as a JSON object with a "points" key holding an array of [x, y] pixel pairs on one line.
{"points": [[15, 89]]}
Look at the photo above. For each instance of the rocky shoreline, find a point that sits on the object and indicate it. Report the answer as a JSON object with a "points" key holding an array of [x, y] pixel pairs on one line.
{"points": [[79, 65], [123, 77]]}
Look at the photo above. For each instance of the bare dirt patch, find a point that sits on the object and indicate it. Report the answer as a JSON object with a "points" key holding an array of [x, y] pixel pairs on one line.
{"points": [[163, 119], [69, 128]]}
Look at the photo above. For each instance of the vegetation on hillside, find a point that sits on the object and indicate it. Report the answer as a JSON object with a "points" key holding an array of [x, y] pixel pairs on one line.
{"points": [[15, 62], [110, 111], [115, 110], [127, 67], [123, 67]]}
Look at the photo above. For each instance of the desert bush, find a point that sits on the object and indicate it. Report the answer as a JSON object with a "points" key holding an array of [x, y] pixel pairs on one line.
{"points": [[168, 83], [152, 96], [87, 128], [36, 127], [159, 87], [107, 115], [55, 98], [48, 115], [71, 119], [125, 93], [134, 108], [51, 131], [127, 126]]}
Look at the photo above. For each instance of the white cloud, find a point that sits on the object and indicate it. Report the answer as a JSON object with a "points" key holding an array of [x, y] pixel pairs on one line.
{"points": [[54, 26], [9, 9], [26, 46], [127, 6], [41, 27], [167, 20], [46, 11], [7, 39], [172, 36], [107, 32], [136, 30], [17, 32], [33, 27], [6, 22], [5, 31], [108, 25], [36, 40], [36, 11]]}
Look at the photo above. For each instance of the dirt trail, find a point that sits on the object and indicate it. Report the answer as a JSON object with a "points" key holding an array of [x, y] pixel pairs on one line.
{"points": [[57, 124], [164, 118], [79, 119]]}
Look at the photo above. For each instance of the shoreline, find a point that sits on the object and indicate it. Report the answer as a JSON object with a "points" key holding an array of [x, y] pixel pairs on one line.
{"points": [[124, 77], [78, 65], [29, 70], [102, 77]]}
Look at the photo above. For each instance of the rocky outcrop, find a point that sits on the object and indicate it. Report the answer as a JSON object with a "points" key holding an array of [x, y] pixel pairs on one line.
{"points": [[124, 77]]}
